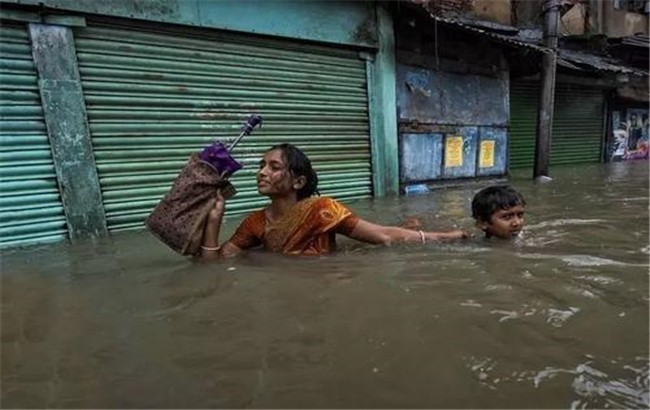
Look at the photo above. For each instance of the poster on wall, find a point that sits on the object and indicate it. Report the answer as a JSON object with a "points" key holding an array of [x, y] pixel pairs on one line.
{"points": [[454, 151], [630, 129], [486, 154]]}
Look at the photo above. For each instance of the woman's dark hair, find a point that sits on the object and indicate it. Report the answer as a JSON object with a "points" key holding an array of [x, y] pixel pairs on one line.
{"points": [[494, 198], [299, 165]]}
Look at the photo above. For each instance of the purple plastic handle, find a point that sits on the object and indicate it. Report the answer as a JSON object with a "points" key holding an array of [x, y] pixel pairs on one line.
{"points": [[217, 155]]}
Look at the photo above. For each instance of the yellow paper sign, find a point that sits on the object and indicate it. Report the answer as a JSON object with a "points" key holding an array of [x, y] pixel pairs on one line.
{"points": [[486, 155], [454, 152]]}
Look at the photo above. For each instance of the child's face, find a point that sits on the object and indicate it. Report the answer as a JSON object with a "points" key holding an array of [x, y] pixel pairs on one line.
{"points": [[504, 223]]}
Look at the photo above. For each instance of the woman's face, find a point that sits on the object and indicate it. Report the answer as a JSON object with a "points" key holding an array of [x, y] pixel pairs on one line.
{"points": [[274, 178]]}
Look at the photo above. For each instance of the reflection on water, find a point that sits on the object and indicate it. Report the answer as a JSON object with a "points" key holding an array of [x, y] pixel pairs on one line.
{"points": [[556, 319]]}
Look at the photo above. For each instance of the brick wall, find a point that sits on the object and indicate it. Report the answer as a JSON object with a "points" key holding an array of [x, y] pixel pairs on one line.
{"points": [[441, 7]]}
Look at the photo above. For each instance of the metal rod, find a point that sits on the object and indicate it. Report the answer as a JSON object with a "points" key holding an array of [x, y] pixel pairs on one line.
{"points": [[236, 141], [253, 121]]}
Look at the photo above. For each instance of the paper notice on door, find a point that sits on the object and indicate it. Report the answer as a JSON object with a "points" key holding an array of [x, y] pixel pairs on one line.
{"points": [[453, 151], [486, 155]]}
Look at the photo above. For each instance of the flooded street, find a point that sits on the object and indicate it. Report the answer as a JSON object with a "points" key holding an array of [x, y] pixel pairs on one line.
{"points": [[557, 319]]}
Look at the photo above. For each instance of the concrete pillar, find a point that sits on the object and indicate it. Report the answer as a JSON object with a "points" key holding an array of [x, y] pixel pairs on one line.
{"points": [[67, 127], [383, 109]]}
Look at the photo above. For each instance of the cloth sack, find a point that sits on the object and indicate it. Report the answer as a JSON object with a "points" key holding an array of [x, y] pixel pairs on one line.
{"points": [[179, 219]]}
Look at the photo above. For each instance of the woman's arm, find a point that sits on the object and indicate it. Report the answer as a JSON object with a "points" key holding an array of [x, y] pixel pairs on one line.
{"points": [[386, 235], [210, 248]]}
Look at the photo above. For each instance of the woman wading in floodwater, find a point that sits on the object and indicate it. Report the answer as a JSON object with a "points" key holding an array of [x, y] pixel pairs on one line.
{"points": [[297, 222]]}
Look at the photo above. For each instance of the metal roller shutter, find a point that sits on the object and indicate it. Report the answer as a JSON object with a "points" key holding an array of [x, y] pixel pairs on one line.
{"points": [[30, 205], [153, 97], [524, 97], [577, 124]]}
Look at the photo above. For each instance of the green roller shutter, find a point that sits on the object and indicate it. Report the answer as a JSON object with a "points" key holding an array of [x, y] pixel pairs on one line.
{"points": [[153, 97], [524, 97], [577, 124], [30, 204]]}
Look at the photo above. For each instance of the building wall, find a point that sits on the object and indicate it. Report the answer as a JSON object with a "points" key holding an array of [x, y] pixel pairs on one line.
{"points": [[494, 10], [573, 21], [338, 22], [603, 17], [452, 100], [527, 13], [443, 7], [621, 23]]}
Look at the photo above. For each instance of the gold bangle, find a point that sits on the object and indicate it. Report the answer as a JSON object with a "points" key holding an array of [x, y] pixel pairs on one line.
{"points": [[422, 237], [207, 248]]}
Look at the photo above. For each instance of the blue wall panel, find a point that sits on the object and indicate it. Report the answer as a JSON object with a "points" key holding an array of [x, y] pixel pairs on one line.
{"points": [[468, 166], [421, 157], [492, 101], [500, 138], [417, 95], [436, 97]]}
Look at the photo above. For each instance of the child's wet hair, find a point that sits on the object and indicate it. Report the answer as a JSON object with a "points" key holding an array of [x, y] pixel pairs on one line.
{"points": [[299, 165], [492, 199]]}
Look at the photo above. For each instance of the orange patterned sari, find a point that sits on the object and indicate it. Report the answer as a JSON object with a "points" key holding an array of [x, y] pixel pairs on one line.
{"points": [[309, 229]]}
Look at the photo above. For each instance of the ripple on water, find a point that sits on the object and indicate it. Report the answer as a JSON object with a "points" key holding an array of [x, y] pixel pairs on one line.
{"points": [[578, 260], [565, 222], [595, 385], [557, 317]]}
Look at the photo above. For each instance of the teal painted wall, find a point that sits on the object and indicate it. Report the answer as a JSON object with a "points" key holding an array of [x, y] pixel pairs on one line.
{"points": [[337, 22]]}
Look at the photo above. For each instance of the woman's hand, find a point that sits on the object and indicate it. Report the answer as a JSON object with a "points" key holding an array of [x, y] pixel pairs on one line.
{"points": [[216, 213], [411, 223], [210, 246], [447, 236]]}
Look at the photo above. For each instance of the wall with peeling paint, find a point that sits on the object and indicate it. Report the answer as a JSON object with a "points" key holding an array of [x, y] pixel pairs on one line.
{"points": [[437, 97], [337, 22], [442, 107], [452, 101]]}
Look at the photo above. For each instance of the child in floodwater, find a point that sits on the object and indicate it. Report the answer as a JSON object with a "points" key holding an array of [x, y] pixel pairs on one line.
{"points": [[499, 211]]}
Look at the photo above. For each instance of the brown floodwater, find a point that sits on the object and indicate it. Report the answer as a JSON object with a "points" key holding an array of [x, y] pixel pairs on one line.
{"points": [[557, 319]]}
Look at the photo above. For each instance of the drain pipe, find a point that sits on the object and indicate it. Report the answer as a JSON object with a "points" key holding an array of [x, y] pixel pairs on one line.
{"points": [[601, 17], [547, 95]]}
